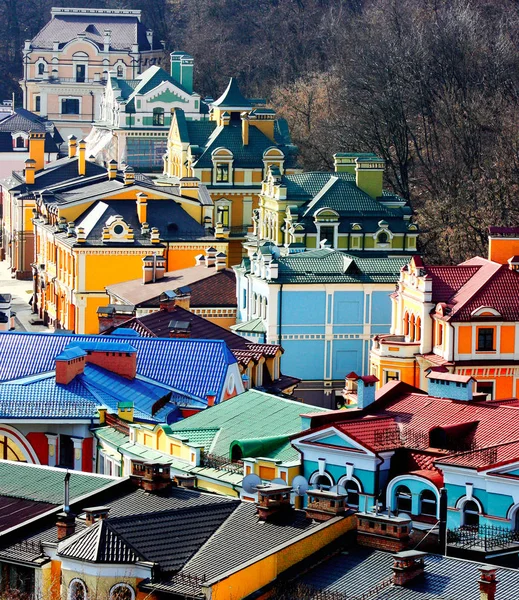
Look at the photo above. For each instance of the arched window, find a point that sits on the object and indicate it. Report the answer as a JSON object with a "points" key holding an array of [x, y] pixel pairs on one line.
{"points": [[321, 482], [77, 590], [439, 341], [403, 499], [122, 591], [352, 487], [411, 328], [470, 514], [418, 329], [41, 68], [20, 142], [382, 238], [516, 521], [428, 503], [120, 71], [158, 117], [406, 323]]}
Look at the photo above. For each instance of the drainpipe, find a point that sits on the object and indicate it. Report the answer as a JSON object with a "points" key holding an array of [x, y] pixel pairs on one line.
{"points": [[280, 319], [443, 522], [377, 479]]}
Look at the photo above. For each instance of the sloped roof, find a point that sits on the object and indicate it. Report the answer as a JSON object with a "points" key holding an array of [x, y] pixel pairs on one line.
{"points": [[232, 97], [485, 458]]}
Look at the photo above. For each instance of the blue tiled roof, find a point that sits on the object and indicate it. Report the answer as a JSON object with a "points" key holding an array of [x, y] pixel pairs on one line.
{"points": [[192, 366], [102, 347], [70, 353]]}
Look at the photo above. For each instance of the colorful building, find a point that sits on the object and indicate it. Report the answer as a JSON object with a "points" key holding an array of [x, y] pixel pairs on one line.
{"points": [[346, 209], [230, 154], [66, 65], [77, 215], [136, 114], [218, 447], [462, 318], [48, 405], [323, 306], [146, 538]]}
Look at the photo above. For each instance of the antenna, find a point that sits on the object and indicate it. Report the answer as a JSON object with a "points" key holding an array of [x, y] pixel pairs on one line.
{"points": [[250, 483], [279, 481], [300, 485]]}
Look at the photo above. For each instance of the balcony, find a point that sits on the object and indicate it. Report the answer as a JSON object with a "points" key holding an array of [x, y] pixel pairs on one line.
{"points": [[395, 345]]}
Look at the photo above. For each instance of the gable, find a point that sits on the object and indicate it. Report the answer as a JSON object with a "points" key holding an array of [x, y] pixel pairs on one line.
{"points": [[336, 440], [167, 96]]}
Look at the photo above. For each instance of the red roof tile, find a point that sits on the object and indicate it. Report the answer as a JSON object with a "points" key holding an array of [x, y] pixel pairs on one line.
{"points": [[435, 477], [485, 458], [446, 281], [376, 434]]}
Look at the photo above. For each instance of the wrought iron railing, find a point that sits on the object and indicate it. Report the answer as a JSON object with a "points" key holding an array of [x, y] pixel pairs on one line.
{"points": [[221, 463], [482, 537]]}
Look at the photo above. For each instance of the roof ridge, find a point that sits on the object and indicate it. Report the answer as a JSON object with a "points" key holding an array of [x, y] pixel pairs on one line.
{"points": [[492, 271]]}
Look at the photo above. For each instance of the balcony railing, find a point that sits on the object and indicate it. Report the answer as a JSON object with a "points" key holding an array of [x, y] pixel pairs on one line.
{"points": [[395, 345], [482, 537], [221, 463]]}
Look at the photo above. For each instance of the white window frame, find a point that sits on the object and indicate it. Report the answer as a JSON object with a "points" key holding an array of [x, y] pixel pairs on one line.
{"points": [[78, 114]]}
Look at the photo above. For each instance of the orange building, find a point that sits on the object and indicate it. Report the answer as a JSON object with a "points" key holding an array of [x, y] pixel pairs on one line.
{"points": [[463, 319]]}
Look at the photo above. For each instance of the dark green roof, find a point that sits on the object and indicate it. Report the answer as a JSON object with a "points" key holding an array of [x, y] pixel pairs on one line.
{"points": [[232, 97], [46, 484], [334, 266]]}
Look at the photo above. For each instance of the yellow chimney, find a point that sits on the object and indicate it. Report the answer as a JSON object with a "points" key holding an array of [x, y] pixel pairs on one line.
{"points": [[370, 175], [142, 206], [72, 146], [245, 129], [188, 187], [29, 171], [37, 149], [81, 161], [112, 169]]}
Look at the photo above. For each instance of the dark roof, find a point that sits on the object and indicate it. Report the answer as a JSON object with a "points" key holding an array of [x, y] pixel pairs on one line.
{"points": [[232, 97], [126, 30], [18, 510], [359, 570]]}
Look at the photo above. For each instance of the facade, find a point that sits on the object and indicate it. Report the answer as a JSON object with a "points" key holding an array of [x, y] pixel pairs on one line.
{"points": [[14, 140], [230, 153], [136, 114], [212, 290], [66, 64], [347, 209], [463, 318], [323, 306], [216, 448], [48, 406]]}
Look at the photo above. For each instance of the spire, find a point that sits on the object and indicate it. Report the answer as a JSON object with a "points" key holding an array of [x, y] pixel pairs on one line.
{"points": [[232, 98]]}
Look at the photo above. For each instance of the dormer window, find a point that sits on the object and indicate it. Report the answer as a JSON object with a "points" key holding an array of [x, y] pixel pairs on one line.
{"points": [[382, 238], [20, 142], [222, 173]]}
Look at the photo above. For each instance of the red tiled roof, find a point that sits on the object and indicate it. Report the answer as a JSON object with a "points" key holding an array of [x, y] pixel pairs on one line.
{"points": [[508, 231], [446, 281], [485, 458], [375, 433], [265, 349], [422, 461], [435, 477], [435, 359]]}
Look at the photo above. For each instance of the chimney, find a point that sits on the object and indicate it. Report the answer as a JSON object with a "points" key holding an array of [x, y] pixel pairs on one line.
{"points": [[69, 363], [503, 243], [153, 268], [210, 254], [344, 162], [273, 501], [221, 261], [211, 398], [324, 505], [142, 206], [513, 263], [200, 260], [30, 171], [170, 299], [189, 187], [113, 315], [81, 161], [149, 37], [37, 149], [186, 481], [450, 385], [384, 532], [125, 410], [370, 175], [117, 357], [112, 169], [245, 128], [182, 65], [156, 477], [95, 513], [487, 583], [129, 176], [66, 523], [407, 565], [179, 329], [366, 391], [107, 38], [72, 146]]}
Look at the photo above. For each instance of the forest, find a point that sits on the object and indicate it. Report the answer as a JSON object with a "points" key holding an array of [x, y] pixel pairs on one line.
{"points": [[431, 86]]}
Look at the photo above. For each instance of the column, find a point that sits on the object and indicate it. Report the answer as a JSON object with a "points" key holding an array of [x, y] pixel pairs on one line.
{"points": [[52, 456]]}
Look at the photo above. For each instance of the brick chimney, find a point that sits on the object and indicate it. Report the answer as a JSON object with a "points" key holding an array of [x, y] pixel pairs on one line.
{"points": [[407, 565], [186, 481], [156, 477], [487, 583], [114, 315], [383, 532], [69, 363], [211, 398], [179, 329], [95, 513], [323, 505], [117, 357], [273, 501], [171, 299]]}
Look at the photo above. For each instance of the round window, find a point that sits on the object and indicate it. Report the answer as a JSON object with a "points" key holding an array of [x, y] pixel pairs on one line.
{"points": [[118, 229]]}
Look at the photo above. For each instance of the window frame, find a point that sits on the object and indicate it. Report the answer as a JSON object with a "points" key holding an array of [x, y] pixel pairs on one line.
{"points": [[482, 339]]}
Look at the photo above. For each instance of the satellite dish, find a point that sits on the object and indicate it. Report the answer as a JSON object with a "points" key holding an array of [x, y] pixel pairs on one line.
{"points": [[250, 483], [279, 481], [300, 485]]}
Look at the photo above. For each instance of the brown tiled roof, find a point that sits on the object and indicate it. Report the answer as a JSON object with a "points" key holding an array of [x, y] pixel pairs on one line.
{"points": [[446, 281]]}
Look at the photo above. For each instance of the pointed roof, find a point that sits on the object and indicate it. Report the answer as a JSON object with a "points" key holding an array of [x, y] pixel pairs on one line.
{"points": [[232, 98]]}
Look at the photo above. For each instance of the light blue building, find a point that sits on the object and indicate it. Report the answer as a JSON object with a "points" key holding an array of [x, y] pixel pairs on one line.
{"points": [[323, 306]]}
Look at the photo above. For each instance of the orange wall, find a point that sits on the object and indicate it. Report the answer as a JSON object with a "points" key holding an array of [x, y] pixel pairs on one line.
{"points": [[507, 339], [501, 249], [465, 339]]}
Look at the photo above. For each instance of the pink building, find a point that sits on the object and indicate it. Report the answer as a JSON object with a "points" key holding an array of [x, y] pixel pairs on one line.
{"points": [[66, 64]]}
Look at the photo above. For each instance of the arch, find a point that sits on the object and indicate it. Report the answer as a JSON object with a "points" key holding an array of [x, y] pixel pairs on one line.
{"points": [[41, 68], [77, 589], [325, 480], [485, 311], [354, 488], [428, 503], [411, 328], [80, 55], [20, 142], [406, 323], [403, 499], [470, 514], [418, 329], [122, 591], [22, 442], [383, 238], [273, 152], [513, 515], [401, 481]]}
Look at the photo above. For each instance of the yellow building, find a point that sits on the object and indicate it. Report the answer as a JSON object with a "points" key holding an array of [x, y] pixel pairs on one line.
{"points": [[230, 154], [95, 227], [219, 446], [461, 319]]}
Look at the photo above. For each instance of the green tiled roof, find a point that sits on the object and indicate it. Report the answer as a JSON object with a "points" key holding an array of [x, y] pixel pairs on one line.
{"points": [[252, 326], [46, 484], [243, 418], [203, 436], [325, 265], [232, 97]]}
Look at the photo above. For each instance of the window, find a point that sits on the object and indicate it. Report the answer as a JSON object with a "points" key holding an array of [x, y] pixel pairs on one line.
{"points": [[428, 503], [439, 341], [418, 329], [486, 339], [486, 387], [41, 68], [222, 215], [470, 514], [20, 142], [119, 71], [244, 303], [403, 499], [222, 173], [383, 238], [37, 103], [80, 73], [158, 117], [412, 328], [406, 324], [327, 233], [321, 482], [70, 106], [391, 376], [122, 591], [353, 493], [77, 590]]}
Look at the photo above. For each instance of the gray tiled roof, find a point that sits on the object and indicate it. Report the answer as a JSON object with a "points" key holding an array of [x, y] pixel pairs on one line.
{"points": [[359, 570]]}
